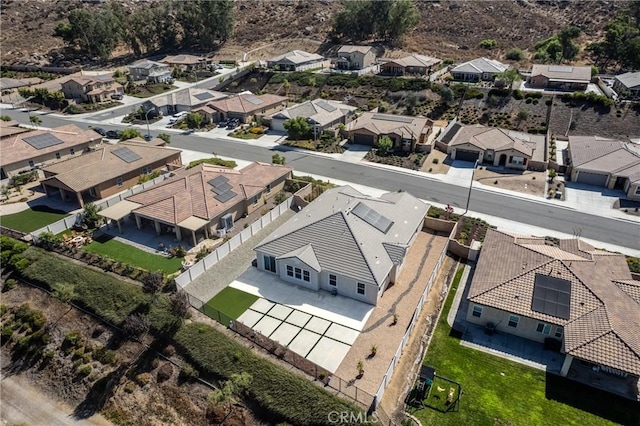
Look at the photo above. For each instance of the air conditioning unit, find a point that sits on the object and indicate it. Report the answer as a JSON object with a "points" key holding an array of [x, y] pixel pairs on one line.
{"points": [[221, 232]]}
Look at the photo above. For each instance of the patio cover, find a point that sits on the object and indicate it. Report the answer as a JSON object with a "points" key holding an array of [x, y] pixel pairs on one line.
{"points": [[192, 223], [119, 210]]}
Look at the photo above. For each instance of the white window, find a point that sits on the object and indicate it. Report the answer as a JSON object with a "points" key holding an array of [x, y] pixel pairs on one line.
{"points": [[119, 181], [57, 155], [290, 270], [543, 328], [333, 280], [513, 321], [268, 188], [305, 275], [638, 190], [517, 160], [477, 311], [298, 273], [72, 151], [360, 288], [31, 164], [559, 332]]}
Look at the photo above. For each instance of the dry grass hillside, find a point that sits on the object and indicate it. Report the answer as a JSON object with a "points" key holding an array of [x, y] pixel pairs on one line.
{"points": [[448, 29]]}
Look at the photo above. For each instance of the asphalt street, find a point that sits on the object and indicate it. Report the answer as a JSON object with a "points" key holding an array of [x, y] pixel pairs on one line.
{"points": [[619, 232]]}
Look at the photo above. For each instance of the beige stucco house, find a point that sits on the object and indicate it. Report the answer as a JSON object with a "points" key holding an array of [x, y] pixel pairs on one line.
{"points": [[92, 89], [246, 108], [410, 65], [355, 57], [407, 133], [560, 77]]}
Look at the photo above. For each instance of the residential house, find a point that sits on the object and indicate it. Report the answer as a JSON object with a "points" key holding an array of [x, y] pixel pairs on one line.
{"points": [[320, 114], [150, 71], [479, 69], [559, 77], [107, 170], [605, 162], [410, 65], [245, 107], [355, 57], [297, 60], [9, 85], [407, 133], [628, 84], [345, 243], [11, 127], [91, 88], [202, 201], [25, 151], [187, 63], [562, 293], [189, 99], [497, 147]]}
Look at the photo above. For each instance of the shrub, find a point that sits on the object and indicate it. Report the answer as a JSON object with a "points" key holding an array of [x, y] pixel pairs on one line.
{"points": [[84, 370], [143, 379], [517, 94], [165, 372], [3, 310], [135, 325], [104, 355], [35, 319], [6, 334], [435, 161], [488, 43], [10, 284], [515, 54], [187, 372]]}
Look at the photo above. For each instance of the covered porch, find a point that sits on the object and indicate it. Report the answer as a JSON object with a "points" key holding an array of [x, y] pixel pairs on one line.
{"points": [[602, 377]]}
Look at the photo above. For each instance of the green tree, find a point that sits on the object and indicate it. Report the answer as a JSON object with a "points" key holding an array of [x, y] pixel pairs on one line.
{"points": [[194, 120], [286, 86], [92, 217], [298, 128], [384, 145], [127, 134], [515, 54], [35, 120], [522, 115], [569, 48], [446, 95], [165, 137], [278, 159], [509, 76], [385, 20], [621, 43], [96, 32], [230, 391], [152, 283], [57, 97]]}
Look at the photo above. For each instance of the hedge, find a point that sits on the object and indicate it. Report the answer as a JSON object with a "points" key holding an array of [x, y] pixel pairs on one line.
{"points": [[215, 161], [283, 395]]}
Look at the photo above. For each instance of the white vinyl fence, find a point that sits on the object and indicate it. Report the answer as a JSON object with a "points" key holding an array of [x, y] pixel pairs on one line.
{"points": [[218, 254], [67, 223]]}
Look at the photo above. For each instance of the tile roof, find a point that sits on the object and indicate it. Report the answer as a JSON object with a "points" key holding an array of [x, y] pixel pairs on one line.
{"points": [[496, 139], [593, 153], [562, 72], [146, 64], [629, 79], [604, 324], [481, 65], [349, 49], [379, 124], [184, 59], [88, 170], [14, 149], [296, 57], [344, 243], [415, 61], [321, 111], [12, 83], [245, 104], [188, 193]]}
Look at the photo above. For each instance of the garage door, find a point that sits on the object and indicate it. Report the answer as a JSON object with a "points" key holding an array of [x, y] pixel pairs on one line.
{"points": [[462, 155], [592, 178], [278, 125], [362, 139]]}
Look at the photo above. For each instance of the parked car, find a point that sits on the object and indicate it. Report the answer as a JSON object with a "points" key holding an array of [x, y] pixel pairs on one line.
{"points": [[188, 131], [147, 137], [100, 131], [117, 96], [114, 134], [180, 114], [223, 123]]}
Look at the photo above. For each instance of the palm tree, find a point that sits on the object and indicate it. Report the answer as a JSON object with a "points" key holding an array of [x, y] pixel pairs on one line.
{"points": [[35, 120]]}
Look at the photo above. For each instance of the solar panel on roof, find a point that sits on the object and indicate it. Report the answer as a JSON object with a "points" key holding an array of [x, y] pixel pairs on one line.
{"points": [[126, 155], [254, 100], [372, 217], [42, 141], [551, 296], [203, 96], [225, 196], [392, 118], [219, 180], [222, 188], [326, 106]]}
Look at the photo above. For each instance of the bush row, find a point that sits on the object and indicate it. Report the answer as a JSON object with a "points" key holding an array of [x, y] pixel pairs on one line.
{"points": [[215, 161], [590, 97], [392, 84], [282, 394]]}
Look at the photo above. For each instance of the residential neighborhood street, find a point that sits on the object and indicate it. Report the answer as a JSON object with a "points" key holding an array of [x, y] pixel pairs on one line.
{"points": [[538, 213]]}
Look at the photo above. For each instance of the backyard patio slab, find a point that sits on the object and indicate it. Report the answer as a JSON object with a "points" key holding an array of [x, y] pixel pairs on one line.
{"points": [[267, 325], [298, 318], [318, 325], [280, 311], [304, 342], [342, 334], [285, 333], [262, 305], [250, 317], [328, 353]]}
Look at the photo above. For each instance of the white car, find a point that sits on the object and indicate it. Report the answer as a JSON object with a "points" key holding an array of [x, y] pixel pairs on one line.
{"points": [[180, 114]]}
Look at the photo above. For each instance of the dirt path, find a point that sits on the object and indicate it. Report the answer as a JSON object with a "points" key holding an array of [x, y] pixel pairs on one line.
{"points": [[402, 377], [23, 403]]}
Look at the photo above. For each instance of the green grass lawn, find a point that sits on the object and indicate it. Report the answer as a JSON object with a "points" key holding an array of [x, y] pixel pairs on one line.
{"points": [[32, 219], [121, 252], [500, 392], [232, 302]]}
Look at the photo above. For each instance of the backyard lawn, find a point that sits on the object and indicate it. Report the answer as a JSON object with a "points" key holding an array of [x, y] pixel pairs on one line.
{"points": [[32, 219], [500, 392], [232, 302], [121, 252]]}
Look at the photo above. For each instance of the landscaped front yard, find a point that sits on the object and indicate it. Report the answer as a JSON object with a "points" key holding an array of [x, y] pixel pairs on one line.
{"points": [[232, 302], [500, 392], [120, 252], [32, 219]]}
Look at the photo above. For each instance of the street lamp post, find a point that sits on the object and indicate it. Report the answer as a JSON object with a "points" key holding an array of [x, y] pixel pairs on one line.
{"points": [[470, 186]]}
